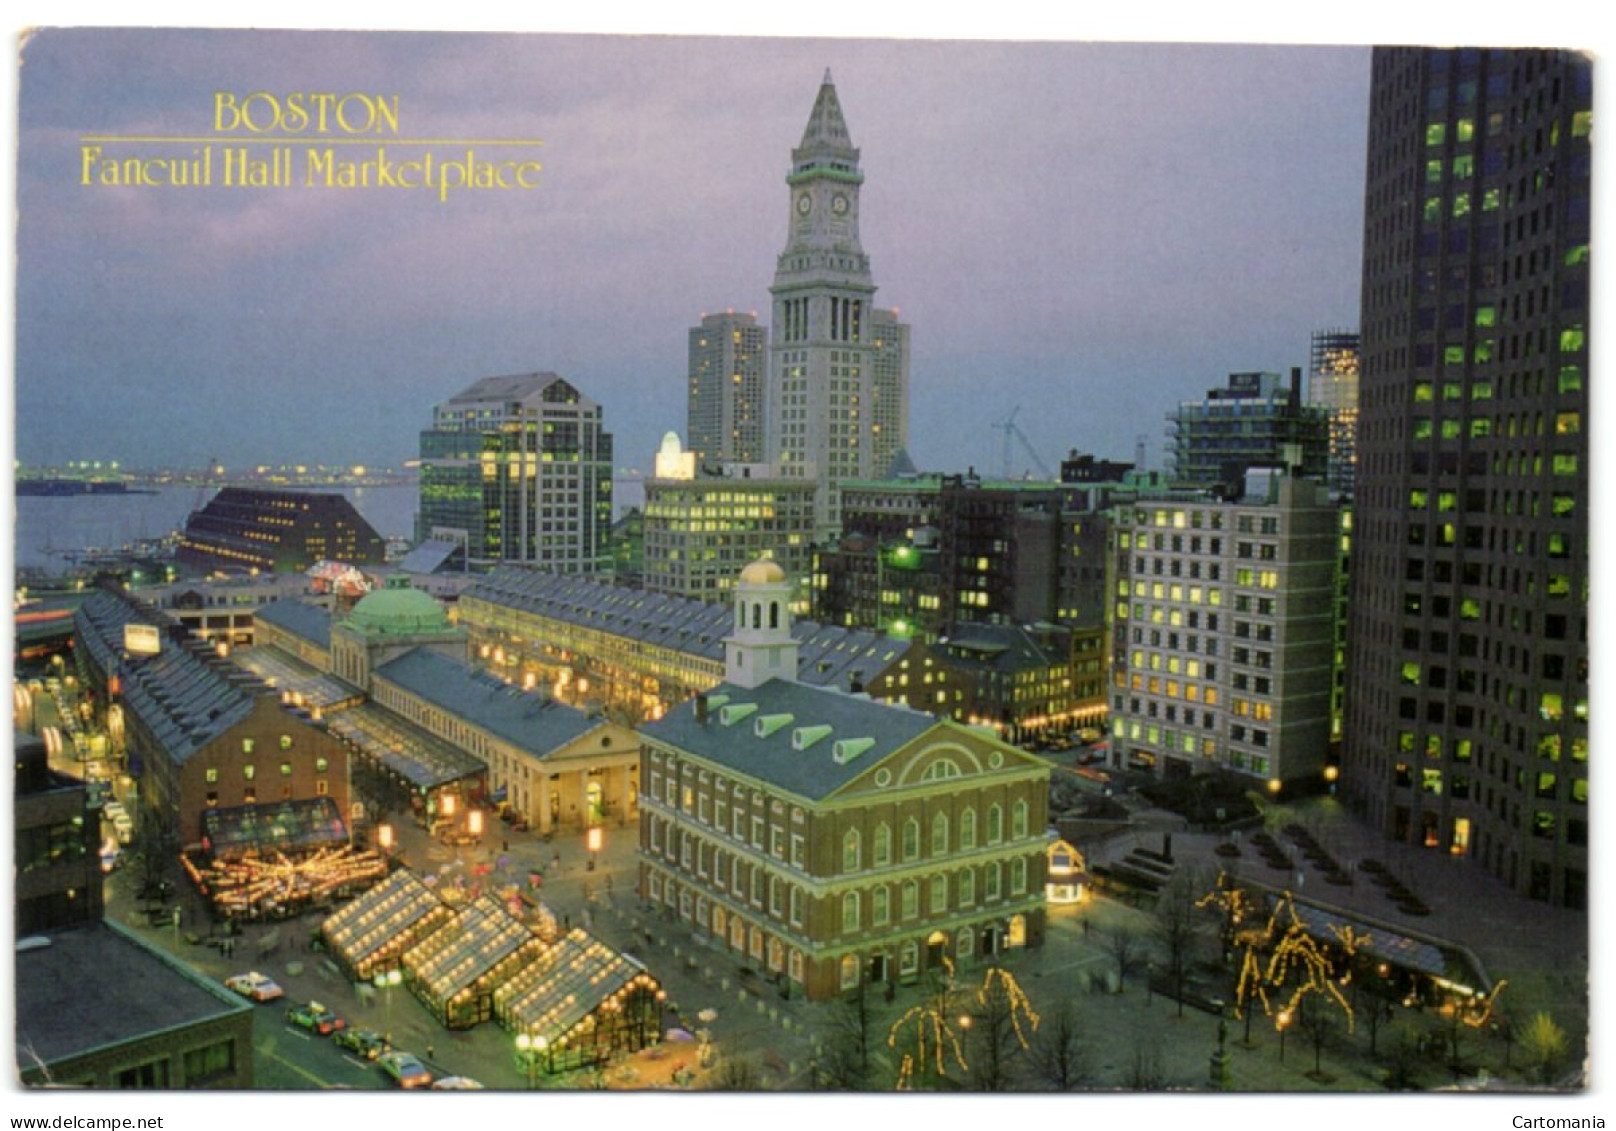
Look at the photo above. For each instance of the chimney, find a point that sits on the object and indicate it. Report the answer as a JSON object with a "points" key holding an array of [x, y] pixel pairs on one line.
{"points": [[701, 707]]}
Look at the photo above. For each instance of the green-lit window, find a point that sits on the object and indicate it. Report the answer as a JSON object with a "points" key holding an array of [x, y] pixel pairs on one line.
{"points": [[1559, 585], [1450, 429], [1453, 355], [1551, 707], [1572, 338], [1483, 353], [1431, 781], [1464, 130], [1417, 499], [1433, 172], [1489, 200], [1563, 505], [1568, 423], [212, 774], [248, 771], [1452, 391], [1570, 378], [1422, 428], [1462, 750], [1469, 609], [1463, 166], [1461, 205], [1436, 133], [1565, 464], [1576, 255], [1411, 672], [1422, 392], [1579, 791], [1481, 426], [1486, 315], [1581, 123], [1445, 500]]}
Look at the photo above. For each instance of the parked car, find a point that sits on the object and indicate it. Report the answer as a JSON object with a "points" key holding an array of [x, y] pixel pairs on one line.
{"points": [[366, 1042], [254, 985], [406, 1069], [315, 1017]]}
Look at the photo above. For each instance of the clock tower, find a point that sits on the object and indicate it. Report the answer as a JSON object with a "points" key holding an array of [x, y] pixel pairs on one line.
{"points": [[830, 357]]}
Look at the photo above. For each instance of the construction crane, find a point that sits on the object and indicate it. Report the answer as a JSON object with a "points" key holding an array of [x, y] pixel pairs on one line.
{"points": [[1013, 432]]}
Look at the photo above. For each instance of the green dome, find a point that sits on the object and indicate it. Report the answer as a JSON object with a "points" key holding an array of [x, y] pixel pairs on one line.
{"points": [[399, 609]]}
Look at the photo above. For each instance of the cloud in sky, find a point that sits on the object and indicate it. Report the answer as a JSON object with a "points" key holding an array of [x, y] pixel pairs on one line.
{"points": [[1089, 231]]}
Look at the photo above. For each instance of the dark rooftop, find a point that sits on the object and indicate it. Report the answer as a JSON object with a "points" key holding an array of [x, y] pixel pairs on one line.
{"points": [[99, 985], [809, 741], [300, 618], [828, 655], [529, 719]]}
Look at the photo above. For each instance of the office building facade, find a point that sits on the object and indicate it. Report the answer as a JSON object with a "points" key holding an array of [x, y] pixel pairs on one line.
{"points": [[1225, 633], [728, 378], [519, 469], [1332, 385], [1256, 419], [1467, 703]]}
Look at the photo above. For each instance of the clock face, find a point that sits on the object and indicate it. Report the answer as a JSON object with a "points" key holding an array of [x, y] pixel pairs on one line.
{"points": [[803, 204], [839, 204]]}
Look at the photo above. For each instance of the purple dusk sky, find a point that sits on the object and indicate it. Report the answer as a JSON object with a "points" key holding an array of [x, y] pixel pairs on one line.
{"points": [[1091, 232]]}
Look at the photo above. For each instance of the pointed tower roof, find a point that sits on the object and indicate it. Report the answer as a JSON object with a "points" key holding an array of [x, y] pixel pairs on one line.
{"points": [[825, 141]]}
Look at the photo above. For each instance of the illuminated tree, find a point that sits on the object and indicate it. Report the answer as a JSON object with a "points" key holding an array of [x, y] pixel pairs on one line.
{"points": [[1545, 1046], [1000, 1022]]}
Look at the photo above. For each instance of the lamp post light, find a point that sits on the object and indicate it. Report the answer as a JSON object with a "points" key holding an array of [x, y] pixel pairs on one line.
{"points": [[593, 839], [529, 1049], [1282, 1022], [385, 981]]}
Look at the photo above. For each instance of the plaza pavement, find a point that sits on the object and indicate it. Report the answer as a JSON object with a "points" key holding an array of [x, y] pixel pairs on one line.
{"points": [[1130, 1037]]}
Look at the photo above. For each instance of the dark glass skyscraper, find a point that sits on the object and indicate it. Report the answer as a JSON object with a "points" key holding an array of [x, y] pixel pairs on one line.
{"points": [[1467, 725]]}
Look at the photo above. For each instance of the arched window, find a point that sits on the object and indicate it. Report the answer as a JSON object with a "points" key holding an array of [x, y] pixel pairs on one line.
{"points": [[990, 882], [968, 829], [911, 839], [995, 823], [1018, 820], [774, 614], [940, 770], [850, 971], [850, 911], [880, 911], [939, 895], [1018, 876], [883, 845], [757, 615], [966, 884], [911, 899], [962, 943], [850, 851], [939, 834]]}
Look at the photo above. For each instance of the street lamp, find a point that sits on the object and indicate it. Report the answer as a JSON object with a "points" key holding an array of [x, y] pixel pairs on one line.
{"points": [[385, 981], [592, 840], [1282, 1022], [530, 1048]]}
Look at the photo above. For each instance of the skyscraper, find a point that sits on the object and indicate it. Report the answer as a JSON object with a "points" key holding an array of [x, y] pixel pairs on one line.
{"points": [[728, 366], [1467, 700], [519, 469], [838, 370], [1332, 384]]}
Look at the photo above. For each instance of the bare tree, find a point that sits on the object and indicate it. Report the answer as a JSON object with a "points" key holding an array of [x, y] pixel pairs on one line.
{"points": [[1147, 1074], [845, 1066], [1125, 949], [737, 1074], [1318, 1025], [1177, 929], [1056, 1058]]}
